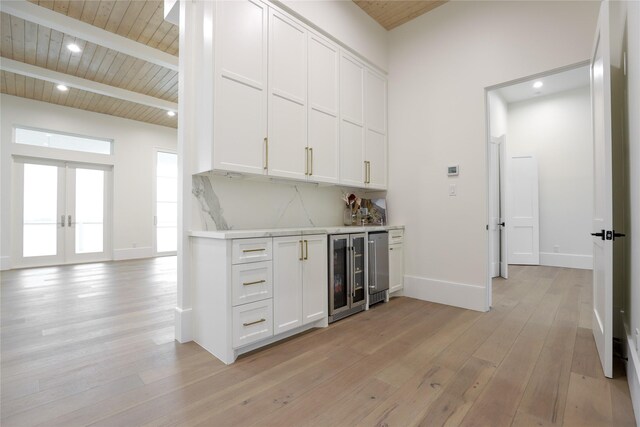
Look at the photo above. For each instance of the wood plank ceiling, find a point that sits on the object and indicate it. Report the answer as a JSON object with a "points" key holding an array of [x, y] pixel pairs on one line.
{"points": [[392, 13], [141, 21]]}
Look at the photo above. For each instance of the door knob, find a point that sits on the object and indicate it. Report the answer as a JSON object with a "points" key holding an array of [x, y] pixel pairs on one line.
{"points": [[501, 224], [617, 235], [601, 234]]}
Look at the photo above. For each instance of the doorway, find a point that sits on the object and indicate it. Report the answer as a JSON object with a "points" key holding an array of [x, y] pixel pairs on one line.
{"points": [[165, 217], [539, 158], [64, 212]]}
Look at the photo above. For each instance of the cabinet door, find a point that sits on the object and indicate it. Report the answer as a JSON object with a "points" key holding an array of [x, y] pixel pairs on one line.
{"points": [[314, 279], [375, 95], [287, 283], [287, 98], [351, 121], [240, 92], [396, 267], [376, 155], [323, 109]]}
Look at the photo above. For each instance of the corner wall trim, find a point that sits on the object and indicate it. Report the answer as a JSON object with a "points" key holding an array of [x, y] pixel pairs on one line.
{"points": [[133, 253], [633, 375], [584, 262], [183, 325], [5, 263], [472, 297]]}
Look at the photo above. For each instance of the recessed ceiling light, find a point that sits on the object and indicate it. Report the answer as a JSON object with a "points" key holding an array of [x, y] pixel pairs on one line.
{"points": [[537, 85], [171, 113], [74, 48], [62, 88]]}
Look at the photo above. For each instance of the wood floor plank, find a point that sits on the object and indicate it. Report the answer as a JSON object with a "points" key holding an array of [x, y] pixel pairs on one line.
{"points": [[588, 402], [92, 344]]}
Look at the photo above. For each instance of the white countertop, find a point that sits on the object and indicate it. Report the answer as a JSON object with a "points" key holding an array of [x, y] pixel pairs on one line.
{"points": [[276, 232]]}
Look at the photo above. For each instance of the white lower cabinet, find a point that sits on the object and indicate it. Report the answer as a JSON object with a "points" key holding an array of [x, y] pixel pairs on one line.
{"points": [[251, 292], [300, 281], [396, 267]]}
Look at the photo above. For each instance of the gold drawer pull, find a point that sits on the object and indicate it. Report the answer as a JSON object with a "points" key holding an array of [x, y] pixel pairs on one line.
{"points": [[254, 322], [253, 250], [253, 283]]}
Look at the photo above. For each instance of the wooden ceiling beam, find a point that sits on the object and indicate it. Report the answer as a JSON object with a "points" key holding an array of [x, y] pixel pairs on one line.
{"points": [[57, 21], [55, 77]]}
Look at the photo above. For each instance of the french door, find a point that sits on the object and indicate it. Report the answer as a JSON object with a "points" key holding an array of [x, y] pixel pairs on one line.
{"points": [[64, 212]]}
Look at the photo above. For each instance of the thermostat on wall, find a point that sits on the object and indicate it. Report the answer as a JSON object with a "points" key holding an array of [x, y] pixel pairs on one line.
{"points": [[452, 170]]}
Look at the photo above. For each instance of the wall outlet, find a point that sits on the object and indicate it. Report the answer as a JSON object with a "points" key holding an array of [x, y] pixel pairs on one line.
{"points": [[134, 245], [556, 248], [452, 189]]}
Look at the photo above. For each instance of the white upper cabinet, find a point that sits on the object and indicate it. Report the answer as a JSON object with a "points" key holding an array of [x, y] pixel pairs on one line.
{"points": [[278, 99], [352, 170], [240, 88], [287, 142], [323, 129], [376, 130]]}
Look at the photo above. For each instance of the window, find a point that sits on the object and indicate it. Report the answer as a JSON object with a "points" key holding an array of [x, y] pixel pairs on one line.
{"points": [[42, 138], [166, 202]]}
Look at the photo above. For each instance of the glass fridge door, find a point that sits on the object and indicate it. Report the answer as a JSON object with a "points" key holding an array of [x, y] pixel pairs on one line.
{"points": [[339, 274], [358, 254]]}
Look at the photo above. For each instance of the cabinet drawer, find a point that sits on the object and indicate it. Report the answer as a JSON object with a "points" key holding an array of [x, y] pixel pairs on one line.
{"points": [[251, 250], [251, 282], [252, 322], [396, 236]]}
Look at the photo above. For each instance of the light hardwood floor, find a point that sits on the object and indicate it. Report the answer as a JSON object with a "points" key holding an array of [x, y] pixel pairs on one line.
{"points": [[93, 345]]}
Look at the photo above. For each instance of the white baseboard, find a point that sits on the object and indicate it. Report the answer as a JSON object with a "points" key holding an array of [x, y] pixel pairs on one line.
{"points": [[183, 325], [472, 297], [132, 253], [550, 259], [633, 375], [5, 263]]}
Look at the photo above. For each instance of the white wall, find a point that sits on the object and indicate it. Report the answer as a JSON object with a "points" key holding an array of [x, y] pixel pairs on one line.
{"points": [[133, 162], [439, 66], [347, 23], [556, 129]]}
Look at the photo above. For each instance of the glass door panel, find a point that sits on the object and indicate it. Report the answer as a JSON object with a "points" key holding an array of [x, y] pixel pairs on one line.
{"points": [[65, 213], [40, 215], [88, 223], [166, 219], [358, 290], [339, 275]]}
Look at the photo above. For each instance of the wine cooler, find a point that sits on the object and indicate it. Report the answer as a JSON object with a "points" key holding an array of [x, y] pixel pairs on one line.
{"points": [[347, 275]]}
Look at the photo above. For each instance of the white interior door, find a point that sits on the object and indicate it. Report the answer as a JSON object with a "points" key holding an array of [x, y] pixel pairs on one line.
{"points": [[494, 206], [504, 230], [64, 212], [602, 323], [523, 222]]}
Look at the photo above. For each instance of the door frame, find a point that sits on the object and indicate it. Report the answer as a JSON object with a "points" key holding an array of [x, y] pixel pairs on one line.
{"points": [[154, 204], [62, 258], [487, 118]]}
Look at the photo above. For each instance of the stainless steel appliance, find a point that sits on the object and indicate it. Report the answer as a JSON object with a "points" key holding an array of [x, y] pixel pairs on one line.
{"points": [[378, 277], [347, 275]]}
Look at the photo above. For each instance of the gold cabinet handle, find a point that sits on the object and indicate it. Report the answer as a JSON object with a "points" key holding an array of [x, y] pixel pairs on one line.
{"points": [[306, 160], [253, 283], [254, 322], [368, 172], [266, 153], [253, 250], [311, 166], [306, 249], [365, 171], [301, 251]]}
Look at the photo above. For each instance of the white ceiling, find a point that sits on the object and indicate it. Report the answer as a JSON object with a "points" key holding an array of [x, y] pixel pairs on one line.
{"points": [[559, 82]]}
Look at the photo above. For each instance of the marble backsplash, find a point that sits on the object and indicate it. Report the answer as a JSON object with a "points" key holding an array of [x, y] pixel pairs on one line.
{"points": [[224, 203]]}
